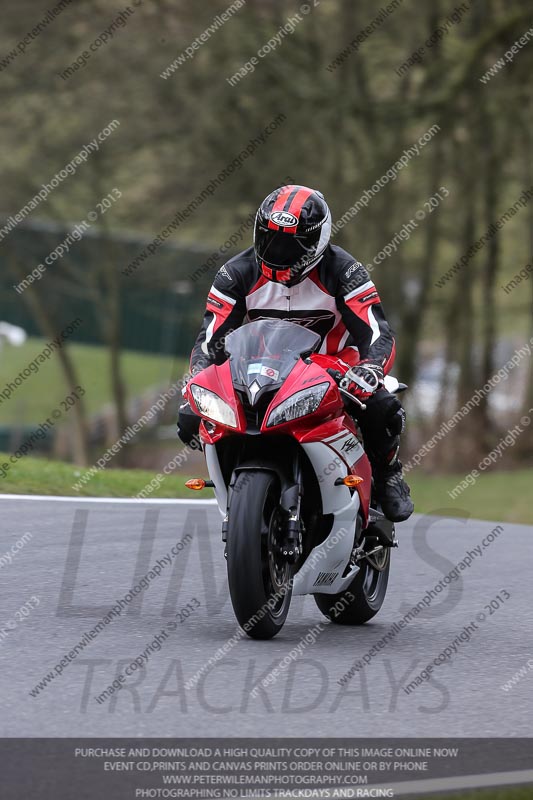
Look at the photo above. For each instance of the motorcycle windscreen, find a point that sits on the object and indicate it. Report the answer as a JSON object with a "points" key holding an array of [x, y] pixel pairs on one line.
{"points": [[262, 353]]}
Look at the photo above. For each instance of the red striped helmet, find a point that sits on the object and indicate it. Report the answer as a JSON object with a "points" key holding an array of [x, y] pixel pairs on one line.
{"points": [[292, 230]]}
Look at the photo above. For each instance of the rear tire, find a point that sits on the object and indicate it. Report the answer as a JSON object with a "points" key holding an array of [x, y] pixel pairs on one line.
{"points": [[256, 573], [367, 589]]}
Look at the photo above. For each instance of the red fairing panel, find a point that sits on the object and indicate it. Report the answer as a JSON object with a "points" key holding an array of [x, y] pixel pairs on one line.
{"points": [[304, 376], [348, 357], [218, 380]]}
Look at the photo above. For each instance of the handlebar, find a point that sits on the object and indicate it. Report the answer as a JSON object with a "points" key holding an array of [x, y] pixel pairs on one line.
{"points": [[352, 398], [342, 382]]}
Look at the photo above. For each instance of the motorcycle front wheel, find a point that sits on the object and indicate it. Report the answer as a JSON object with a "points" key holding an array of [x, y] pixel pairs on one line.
{"points": [[259, 578]]}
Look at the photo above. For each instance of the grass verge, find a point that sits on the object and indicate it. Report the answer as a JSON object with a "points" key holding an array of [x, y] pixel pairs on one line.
{"points": [[41, 476], [502, 496], [33, 399]]}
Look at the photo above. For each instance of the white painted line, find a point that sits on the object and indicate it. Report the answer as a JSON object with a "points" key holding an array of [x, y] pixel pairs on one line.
{"points": [[487, 781], [116, 500]]}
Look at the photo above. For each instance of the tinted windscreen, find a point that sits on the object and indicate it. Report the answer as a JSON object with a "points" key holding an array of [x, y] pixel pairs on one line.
{"points": [[265, 351]]}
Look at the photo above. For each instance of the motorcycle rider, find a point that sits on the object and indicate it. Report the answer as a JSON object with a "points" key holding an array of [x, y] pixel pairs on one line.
{"points": [[292, 272]]}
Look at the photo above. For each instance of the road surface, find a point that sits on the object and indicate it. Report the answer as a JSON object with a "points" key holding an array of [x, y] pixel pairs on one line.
{"points": [[83, 556]]}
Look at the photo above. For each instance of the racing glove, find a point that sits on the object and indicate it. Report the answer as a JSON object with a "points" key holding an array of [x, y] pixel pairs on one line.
{"points": [[364, 379]]}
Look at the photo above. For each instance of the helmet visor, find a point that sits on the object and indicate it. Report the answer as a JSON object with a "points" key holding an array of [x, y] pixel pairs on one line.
{"points": [[281, 250]]}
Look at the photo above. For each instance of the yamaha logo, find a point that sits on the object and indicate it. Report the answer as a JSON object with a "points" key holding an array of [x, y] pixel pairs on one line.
{"points": [[284, 219]]}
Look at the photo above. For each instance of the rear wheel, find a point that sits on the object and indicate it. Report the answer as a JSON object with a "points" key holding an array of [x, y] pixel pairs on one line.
{"points": [[364, 596], [259, 578]]}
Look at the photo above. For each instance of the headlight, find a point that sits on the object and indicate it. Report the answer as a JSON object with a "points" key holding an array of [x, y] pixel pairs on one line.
{"points": [[213, 406], [298, 405]]}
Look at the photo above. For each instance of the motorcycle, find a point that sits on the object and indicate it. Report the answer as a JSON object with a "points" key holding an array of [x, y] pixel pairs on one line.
{"points": [[291, 479]]}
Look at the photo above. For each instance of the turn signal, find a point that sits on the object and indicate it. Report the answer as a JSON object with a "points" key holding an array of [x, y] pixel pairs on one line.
{"points": [[196, 484], [352, 480]]}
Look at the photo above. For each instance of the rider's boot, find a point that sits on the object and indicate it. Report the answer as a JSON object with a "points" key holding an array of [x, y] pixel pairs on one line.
{"points": [[381, 424], [392, 492]]}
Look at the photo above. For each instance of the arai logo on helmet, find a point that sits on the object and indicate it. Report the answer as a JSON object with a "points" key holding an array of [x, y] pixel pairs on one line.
{"points": [[284, 219]]}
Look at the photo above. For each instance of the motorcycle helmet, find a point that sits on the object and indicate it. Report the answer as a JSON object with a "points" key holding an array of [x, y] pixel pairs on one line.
{"points": [[292, 230]]}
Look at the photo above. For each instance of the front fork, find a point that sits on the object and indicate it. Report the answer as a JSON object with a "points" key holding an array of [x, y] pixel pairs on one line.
{"points": [[291, 499], [290, 502]]}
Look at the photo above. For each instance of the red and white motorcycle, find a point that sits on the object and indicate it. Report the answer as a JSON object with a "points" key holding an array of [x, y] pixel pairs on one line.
{"points": [[292, 481]]}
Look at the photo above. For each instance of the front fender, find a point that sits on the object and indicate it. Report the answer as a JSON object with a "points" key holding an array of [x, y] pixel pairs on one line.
{"points": [[289, 489]]}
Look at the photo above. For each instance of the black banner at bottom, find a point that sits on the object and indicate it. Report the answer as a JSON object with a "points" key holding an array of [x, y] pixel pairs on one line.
{"points": [[127, 769]]}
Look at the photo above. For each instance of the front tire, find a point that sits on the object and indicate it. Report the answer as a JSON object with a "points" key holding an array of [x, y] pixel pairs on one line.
{"points": [[367, 589], [259, 579]]}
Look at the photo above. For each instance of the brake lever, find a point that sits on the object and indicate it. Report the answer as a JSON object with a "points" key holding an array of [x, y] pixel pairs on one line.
{"points": [[342, 382], [352, 398]]}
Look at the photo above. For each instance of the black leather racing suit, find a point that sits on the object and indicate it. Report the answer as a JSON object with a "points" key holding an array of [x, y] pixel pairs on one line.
{"points": [[339, 301]]}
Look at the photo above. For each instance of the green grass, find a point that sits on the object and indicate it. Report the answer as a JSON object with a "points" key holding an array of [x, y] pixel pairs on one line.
{"points": [[40, 476], [500, 496], [32, 401]]}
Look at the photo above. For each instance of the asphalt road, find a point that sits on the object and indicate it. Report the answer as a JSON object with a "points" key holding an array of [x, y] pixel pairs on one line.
{"points": [[83, 556]]}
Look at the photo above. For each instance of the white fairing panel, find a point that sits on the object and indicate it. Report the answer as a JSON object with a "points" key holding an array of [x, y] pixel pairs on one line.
{"points": [[215, 473], [323, 569]]}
